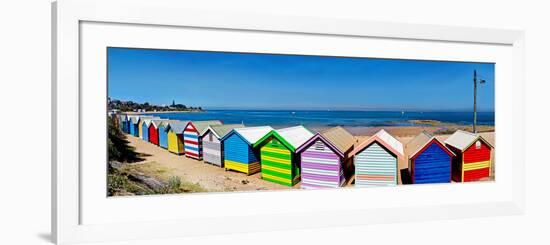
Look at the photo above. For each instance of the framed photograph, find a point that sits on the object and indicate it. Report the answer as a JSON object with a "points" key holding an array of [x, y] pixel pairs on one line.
{"points": [[180, 122]]}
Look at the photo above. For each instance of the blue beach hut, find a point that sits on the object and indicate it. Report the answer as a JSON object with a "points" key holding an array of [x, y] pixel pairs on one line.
{"points": [[429, 160], [239, 155], [134, 127], [123, 123], [127, 125]]}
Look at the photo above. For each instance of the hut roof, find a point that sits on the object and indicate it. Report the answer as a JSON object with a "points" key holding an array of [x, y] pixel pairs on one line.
{"points": [[384, 138], [296, 135], [167, 123], [147, 121], [419, 142], [252, 134], [339, 137], [292, 137], [157, 122], [462, 140], [221, 130], [178, 127], [122, 117], [200, 126]]}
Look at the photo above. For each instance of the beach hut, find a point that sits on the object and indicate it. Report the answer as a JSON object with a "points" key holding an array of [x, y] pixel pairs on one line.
{"points": [[128, 124], [123, 123], [429, 160], [175, 137], [145, 122], [140, 125], [376, 160], [325, 157], [279, 162], [134, 120], [473, 156], [238, 151], [192, 140], [163, 129], [153, 131], [211, 142]]}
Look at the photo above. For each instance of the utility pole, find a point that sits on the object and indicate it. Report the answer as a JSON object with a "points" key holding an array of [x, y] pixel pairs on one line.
{"points": [[481, 81], [475, 101]]}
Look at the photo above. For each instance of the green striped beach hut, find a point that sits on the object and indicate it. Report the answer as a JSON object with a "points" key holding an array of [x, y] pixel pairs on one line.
{"points": [[278, 158]]}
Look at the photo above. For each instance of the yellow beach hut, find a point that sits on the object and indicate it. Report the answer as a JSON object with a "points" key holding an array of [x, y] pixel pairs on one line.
{"points": [[175, 137]]}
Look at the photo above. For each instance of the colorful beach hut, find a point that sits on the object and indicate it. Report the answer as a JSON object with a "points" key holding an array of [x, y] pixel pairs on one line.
{"points": [[145, 122], [128, 124], [279, 162], [175, 137], [325, 157], [134, 121], [153, 131], [192, 140], [238, 151], [163, 129], [376, 160], [129, 127], [473, 156], [123, 123], [429, 160], [211, 142], [140, 125]]}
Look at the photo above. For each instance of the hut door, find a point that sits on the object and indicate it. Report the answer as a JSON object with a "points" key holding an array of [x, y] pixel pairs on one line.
{"points": [[284, 155]]}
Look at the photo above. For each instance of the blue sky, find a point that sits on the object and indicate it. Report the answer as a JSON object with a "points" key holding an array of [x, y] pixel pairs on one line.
{"points": [[217, 80]]}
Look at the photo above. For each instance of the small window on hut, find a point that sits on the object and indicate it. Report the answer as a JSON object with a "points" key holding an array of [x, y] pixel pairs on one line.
{"points": [[210, 137], [478, 145], [319, 146]]}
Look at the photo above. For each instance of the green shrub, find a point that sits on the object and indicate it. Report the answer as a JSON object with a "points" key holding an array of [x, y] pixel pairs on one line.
{"points": [[118, 146], [174, 183]]}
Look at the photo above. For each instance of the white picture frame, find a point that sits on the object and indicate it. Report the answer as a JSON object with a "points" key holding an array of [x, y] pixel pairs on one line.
{"points": [[70, 178]]}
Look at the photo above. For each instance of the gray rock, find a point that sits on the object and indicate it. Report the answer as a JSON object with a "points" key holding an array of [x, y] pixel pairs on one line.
{"points": [[152, 183], [116, 164]]}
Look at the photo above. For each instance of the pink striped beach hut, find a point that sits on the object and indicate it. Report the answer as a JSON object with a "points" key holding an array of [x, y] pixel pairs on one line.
{"points": [[376, 160]]}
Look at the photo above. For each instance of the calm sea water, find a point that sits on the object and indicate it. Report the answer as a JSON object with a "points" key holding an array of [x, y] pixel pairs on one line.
{"points": [[316, 119]]}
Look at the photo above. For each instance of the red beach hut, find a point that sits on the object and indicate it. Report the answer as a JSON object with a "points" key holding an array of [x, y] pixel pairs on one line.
{"points": [[473, 156], [153, 131]]}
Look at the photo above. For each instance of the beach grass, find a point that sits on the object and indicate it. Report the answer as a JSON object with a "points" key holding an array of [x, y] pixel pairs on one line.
{"points": [[173, 184]]}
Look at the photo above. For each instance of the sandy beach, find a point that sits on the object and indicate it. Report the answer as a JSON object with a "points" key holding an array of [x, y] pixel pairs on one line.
{"points": [[161, 164]]}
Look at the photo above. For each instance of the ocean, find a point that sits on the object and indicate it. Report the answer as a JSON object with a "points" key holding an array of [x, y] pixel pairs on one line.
{"points": [[323, 119]]}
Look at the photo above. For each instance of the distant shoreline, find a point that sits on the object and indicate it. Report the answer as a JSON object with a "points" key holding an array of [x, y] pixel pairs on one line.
{"points": [[158, 112], [395, 125]]}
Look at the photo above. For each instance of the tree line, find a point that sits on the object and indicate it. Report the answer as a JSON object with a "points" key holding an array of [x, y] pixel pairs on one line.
{"points": [[134, 106]]}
